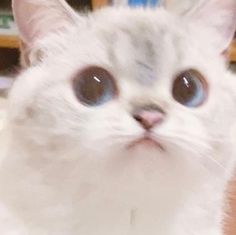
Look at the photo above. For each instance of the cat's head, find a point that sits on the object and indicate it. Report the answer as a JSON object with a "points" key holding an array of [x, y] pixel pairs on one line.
{"points": [[124, 82]]}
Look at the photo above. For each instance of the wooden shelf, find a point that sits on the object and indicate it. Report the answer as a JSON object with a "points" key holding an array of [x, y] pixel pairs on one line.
{"points": [[232, 51], [99, 3], [9, 41]]}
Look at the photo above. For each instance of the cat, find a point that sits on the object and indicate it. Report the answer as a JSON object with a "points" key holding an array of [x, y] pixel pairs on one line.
{"points": [[122, 122]]}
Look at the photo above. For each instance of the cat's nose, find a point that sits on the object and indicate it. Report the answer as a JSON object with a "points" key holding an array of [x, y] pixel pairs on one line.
{"points": [[149, 116]]}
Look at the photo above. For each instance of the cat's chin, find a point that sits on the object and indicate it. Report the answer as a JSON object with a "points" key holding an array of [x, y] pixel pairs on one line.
{"points": [[146, 142]]}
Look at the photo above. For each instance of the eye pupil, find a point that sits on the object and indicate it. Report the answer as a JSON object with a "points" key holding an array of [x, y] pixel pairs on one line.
{"points": [[184, 89], [189, 88], [94, 86]]}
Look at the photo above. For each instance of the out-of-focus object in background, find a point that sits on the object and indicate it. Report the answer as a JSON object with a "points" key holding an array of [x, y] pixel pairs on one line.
{"points": [[8, 31], [232, 51], [5, 85], [136, 3]]}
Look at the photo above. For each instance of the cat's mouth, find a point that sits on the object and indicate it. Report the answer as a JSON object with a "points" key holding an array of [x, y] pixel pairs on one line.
{"points": [[146, 141]]}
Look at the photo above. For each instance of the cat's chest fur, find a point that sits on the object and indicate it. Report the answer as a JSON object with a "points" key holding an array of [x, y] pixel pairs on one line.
{"points": [[124, 200]]}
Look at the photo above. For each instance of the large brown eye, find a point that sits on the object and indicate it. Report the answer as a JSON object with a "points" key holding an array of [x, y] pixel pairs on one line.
{"points": [[190, 88], [94, 86]]}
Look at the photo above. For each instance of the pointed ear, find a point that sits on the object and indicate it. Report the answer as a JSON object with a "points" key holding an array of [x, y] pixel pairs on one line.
{"points": [[37, 18], [219, 16]]}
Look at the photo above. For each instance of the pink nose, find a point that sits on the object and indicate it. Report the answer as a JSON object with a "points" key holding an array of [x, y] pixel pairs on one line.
{"points": [[149, 118]]}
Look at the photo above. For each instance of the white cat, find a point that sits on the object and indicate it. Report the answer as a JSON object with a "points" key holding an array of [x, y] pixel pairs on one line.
{"points": [[123, 123]]}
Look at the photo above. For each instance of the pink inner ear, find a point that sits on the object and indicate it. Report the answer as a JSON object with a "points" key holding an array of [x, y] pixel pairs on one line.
{"points": [[37, 18], [26, 17]]}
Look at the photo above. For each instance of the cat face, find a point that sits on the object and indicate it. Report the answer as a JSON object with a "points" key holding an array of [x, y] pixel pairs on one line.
{"points": [[125, 82]]}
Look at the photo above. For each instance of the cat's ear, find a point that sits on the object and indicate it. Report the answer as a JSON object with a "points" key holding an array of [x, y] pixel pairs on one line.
{"points": [[220, 17], [36, 18]]}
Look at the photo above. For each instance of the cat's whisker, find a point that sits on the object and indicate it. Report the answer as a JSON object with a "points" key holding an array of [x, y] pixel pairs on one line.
{"points": [[211, 138], [195, 137], [185, 143], [216, 162], [176, 138]]}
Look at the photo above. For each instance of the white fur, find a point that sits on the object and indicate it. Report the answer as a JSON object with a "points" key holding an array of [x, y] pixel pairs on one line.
{"points": [[179, 7], [66, 170]]}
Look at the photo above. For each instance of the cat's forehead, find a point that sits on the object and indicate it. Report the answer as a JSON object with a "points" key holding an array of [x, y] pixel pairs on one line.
{"points": [[138, 39], [143, 29], [141, 19], [133, 43]]}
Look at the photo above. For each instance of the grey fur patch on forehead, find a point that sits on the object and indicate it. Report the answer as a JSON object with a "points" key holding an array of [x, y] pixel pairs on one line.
{"points": [[143, 49], [135, 40], [140, 50], [142, 36], [146, 74]]}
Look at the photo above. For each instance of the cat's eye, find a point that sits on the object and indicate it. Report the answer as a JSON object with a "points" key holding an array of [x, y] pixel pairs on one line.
{"points": [[94, 86], [190, 88]]}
